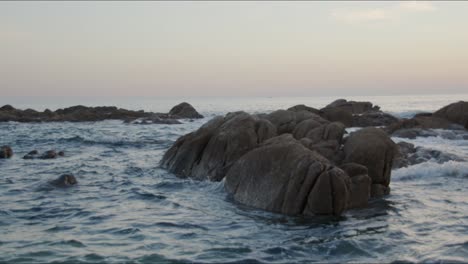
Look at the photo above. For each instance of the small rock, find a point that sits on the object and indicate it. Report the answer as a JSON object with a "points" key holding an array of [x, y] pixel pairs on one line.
{"points": [[65, 180], [6, 152]]}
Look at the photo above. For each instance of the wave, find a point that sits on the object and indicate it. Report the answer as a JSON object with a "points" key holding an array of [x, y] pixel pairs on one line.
{"points": [[431, 169]]}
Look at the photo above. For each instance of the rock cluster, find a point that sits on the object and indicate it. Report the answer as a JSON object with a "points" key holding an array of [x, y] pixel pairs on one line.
{"points": [[81, 113], [289, 161]]}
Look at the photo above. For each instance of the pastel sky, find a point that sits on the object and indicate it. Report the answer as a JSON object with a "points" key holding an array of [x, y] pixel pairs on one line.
{"points": [[239, 48]]}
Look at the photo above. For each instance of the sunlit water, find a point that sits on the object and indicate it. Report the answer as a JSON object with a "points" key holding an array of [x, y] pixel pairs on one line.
{"points": [[126, 209]]}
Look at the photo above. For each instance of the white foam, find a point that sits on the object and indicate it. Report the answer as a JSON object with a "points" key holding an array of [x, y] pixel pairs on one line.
{"points": [[431, 169]]}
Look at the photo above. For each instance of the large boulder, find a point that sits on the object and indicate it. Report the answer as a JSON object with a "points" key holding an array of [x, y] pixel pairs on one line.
{"points": [[5, 152], [456, 113], [185, 110], [209, 152], [372, 148], [283, 176]]}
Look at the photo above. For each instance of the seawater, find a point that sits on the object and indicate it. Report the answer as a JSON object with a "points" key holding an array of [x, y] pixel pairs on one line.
{"points": [[127, 209]]}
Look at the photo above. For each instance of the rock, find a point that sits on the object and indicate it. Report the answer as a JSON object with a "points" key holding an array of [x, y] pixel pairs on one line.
{"points": [[331, 131], [50, 154], [372, 148], [66, 180], [302, 107], [455, 112], [408, 155], [328, 149], [374, 118], [301, 129], [378, 190], [338, 115], [284, 120], [352, 106], [6, 152], [184, 110], [419, 122], [8, 108], [80, 113], [210, 151], [31, 155], [360, 187], [61, 154], [283, 176]]}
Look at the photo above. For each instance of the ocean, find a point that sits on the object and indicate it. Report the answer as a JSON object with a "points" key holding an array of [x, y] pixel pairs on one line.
{"points": [[127, 209]]}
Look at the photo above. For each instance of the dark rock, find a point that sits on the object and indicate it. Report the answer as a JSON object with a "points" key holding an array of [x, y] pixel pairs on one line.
{"points": [[302, 107], [82, 113], [456, 113], [408, 155], [50, 154], [211, 150], [331, 131], [378, 190], [360, 187], [352, 106], [338, 115], [6, 152], [420, 122], [372, 148], [285, 177], [184, 110], [31, 155], [61, 154], [66, 180], [374, 118], [7, 108]]}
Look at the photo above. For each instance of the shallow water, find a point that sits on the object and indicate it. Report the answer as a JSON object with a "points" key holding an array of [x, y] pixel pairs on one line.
{"points": [[126, 209]]}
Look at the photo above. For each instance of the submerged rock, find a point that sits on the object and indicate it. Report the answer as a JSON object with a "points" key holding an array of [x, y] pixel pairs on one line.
{"points": [[5, 152], [50, 154], [66, 180]]}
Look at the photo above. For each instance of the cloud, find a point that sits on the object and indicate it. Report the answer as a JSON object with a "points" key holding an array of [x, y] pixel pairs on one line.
{"points": [[380, 14], [417, 6], [360, 15]]}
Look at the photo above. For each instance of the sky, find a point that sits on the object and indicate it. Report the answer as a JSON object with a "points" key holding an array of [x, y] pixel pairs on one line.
{"points": [[239, 48]]}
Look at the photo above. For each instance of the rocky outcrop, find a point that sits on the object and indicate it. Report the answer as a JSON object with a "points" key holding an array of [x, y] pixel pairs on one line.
{"points": [[407, 154], [81, 113], [352, 107], [286, 161], [184, 110], [66, 180], [5, 152], [372, 148], [456, 113]]}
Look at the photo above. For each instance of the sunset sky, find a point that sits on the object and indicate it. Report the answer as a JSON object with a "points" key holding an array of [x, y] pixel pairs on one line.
{"points": [[81, 48]]}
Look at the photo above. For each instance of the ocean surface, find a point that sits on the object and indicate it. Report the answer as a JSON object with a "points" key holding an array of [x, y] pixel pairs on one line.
{"points": [[127, 209]]}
